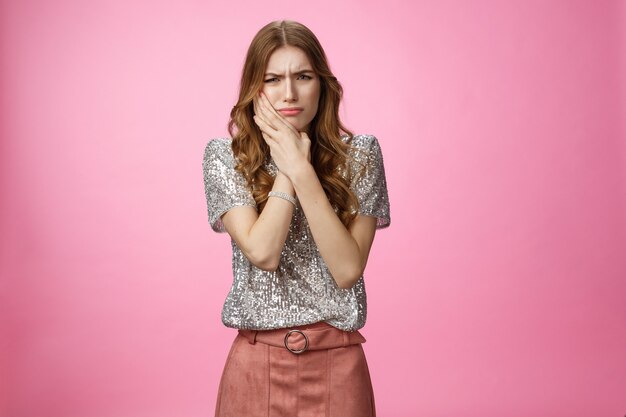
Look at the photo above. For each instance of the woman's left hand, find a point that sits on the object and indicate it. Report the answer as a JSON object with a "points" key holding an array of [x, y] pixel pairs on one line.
{"points": [[289, 148]]}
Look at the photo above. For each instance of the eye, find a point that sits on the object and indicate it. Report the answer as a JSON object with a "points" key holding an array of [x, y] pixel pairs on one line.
{"points": [[307, 77]]}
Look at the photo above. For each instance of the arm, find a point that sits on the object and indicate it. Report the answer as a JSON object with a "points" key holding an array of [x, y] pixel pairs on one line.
{"points": [[344, 251], [231, 207], [261, 237]]}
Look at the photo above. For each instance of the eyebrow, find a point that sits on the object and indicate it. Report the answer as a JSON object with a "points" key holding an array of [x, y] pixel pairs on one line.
{"points": [[296, 73]]}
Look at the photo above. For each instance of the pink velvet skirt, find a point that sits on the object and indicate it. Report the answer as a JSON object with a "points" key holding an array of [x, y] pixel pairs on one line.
{"points": [[314, 370]]}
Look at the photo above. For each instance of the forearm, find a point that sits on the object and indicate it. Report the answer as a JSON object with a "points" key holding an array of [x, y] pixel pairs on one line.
{"points": [[338, 248], [261, 236], [266, 237]]}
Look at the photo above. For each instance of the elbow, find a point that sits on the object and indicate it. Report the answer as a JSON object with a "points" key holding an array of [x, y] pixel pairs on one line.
{"points": [[265, 261], [267, 266], [347, 278]]}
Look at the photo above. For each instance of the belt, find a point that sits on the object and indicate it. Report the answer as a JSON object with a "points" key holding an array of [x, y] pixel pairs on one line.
{"points": [[299, 339]]}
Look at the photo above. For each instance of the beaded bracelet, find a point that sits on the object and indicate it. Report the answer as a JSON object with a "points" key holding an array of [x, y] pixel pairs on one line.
{"points": [[282, 195]]}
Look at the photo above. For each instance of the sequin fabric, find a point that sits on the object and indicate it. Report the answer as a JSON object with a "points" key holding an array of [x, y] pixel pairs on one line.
{"points": [[302, 290]]}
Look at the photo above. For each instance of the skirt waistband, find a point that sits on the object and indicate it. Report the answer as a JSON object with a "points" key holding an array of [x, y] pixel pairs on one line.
{"points": [[298, 339]]}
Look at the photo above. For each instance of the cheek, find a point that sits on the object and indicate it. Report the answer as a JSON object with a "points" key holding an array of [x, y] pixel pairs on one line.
{"points": [[316, 102], [314, 96], [272, 97]]}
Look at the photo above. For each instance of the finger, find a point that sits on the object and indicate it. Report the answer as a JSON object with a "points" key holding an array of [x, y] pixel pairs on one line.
{"points": [[264, 114], [273, 115], [259, 122], [270, 112], [268, 139], [265, 128], [262, 120], [260, 111]]}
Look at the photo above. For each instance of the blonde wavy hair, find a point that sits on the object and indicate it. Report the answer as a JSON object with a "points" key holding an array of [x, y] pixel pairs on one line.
{"points": [[329, 153]]}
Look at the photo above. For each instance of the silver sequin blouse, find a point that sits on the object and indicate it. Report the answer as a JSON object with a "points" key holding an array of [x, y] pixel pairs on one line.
{"points": [[302, 290]]}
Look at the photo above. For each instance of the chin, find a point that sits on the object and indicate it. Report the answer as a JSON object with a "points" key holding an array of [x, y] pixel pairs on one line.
{"points": [[305, 127], [299, 127]]}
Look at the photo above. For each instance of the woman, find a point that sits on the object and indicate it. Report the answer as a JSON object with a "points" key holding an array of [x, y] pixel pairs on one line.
{"points": [[301, 203]]}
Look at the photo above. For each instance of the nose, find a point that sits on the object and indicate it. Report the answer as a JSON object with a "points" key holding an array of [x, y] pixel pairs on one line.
{"points": [[290, 91]]}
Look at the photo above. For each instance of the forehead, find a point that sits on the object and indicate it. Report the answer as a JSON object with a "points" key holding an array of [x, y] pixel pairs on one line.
{"points": [[288, 58]]}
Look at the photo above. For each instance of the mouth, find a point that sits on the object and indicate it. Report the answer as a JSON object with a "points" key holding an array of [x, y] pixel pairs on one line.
{"points": [[290, 111]]}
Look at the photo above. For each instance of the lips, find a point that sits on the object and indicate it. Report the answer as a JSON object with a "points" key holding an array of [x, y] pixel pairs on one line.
{"points": [[291, 111]]}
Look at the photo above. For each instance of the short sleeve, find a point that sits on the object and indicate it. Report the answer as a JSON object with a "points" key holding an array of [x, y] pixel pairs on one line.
{"points": [[371, 186], [224, 186]]}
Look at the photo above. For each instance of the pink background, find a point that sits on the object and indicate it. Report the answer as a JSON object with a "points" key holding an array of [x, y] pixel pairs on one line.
{"points": [[498, 290]]}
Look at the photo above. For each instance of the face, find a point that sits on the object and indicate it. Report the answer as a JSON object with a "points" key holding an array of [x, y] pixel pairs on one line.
{"points": [[289, 81]]}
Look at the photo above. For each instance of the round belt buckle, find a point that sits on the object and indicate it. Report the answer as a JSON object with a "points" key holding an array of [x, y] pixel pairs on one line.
{"points": [[306, 341]]}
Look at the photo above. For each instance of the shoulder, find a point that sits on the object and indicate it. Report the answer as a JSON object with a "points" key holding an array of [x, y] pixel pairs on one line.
{"points": [[360, 140], [218, 148], [218, 145], [363, 147]]}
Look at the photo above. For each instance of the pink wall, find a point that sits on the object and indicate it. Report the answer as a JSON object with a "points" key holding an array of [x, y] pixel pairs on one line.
{"points": [[499, 289]]}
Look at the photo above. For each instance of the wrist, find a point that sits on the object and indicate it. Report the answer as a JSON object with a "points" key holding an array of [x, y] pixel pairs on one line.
{"points": [[284, 196], [302, 173], [283, 183]]}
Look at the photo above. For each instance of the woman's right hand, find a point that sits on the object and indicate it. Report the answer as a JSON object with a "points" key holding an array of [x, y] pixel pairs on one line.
{"points": [[288, 146]]}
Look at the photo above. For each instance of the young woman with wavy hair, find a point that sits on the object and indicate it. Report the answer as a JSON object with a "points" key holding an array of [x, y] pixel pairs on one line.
{"points": [[301, 198]]}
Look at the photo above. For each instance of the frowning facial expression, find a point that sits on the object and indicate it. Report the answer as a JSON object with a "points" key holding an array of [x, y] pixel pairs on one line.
{"points": [[290, 82]]}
